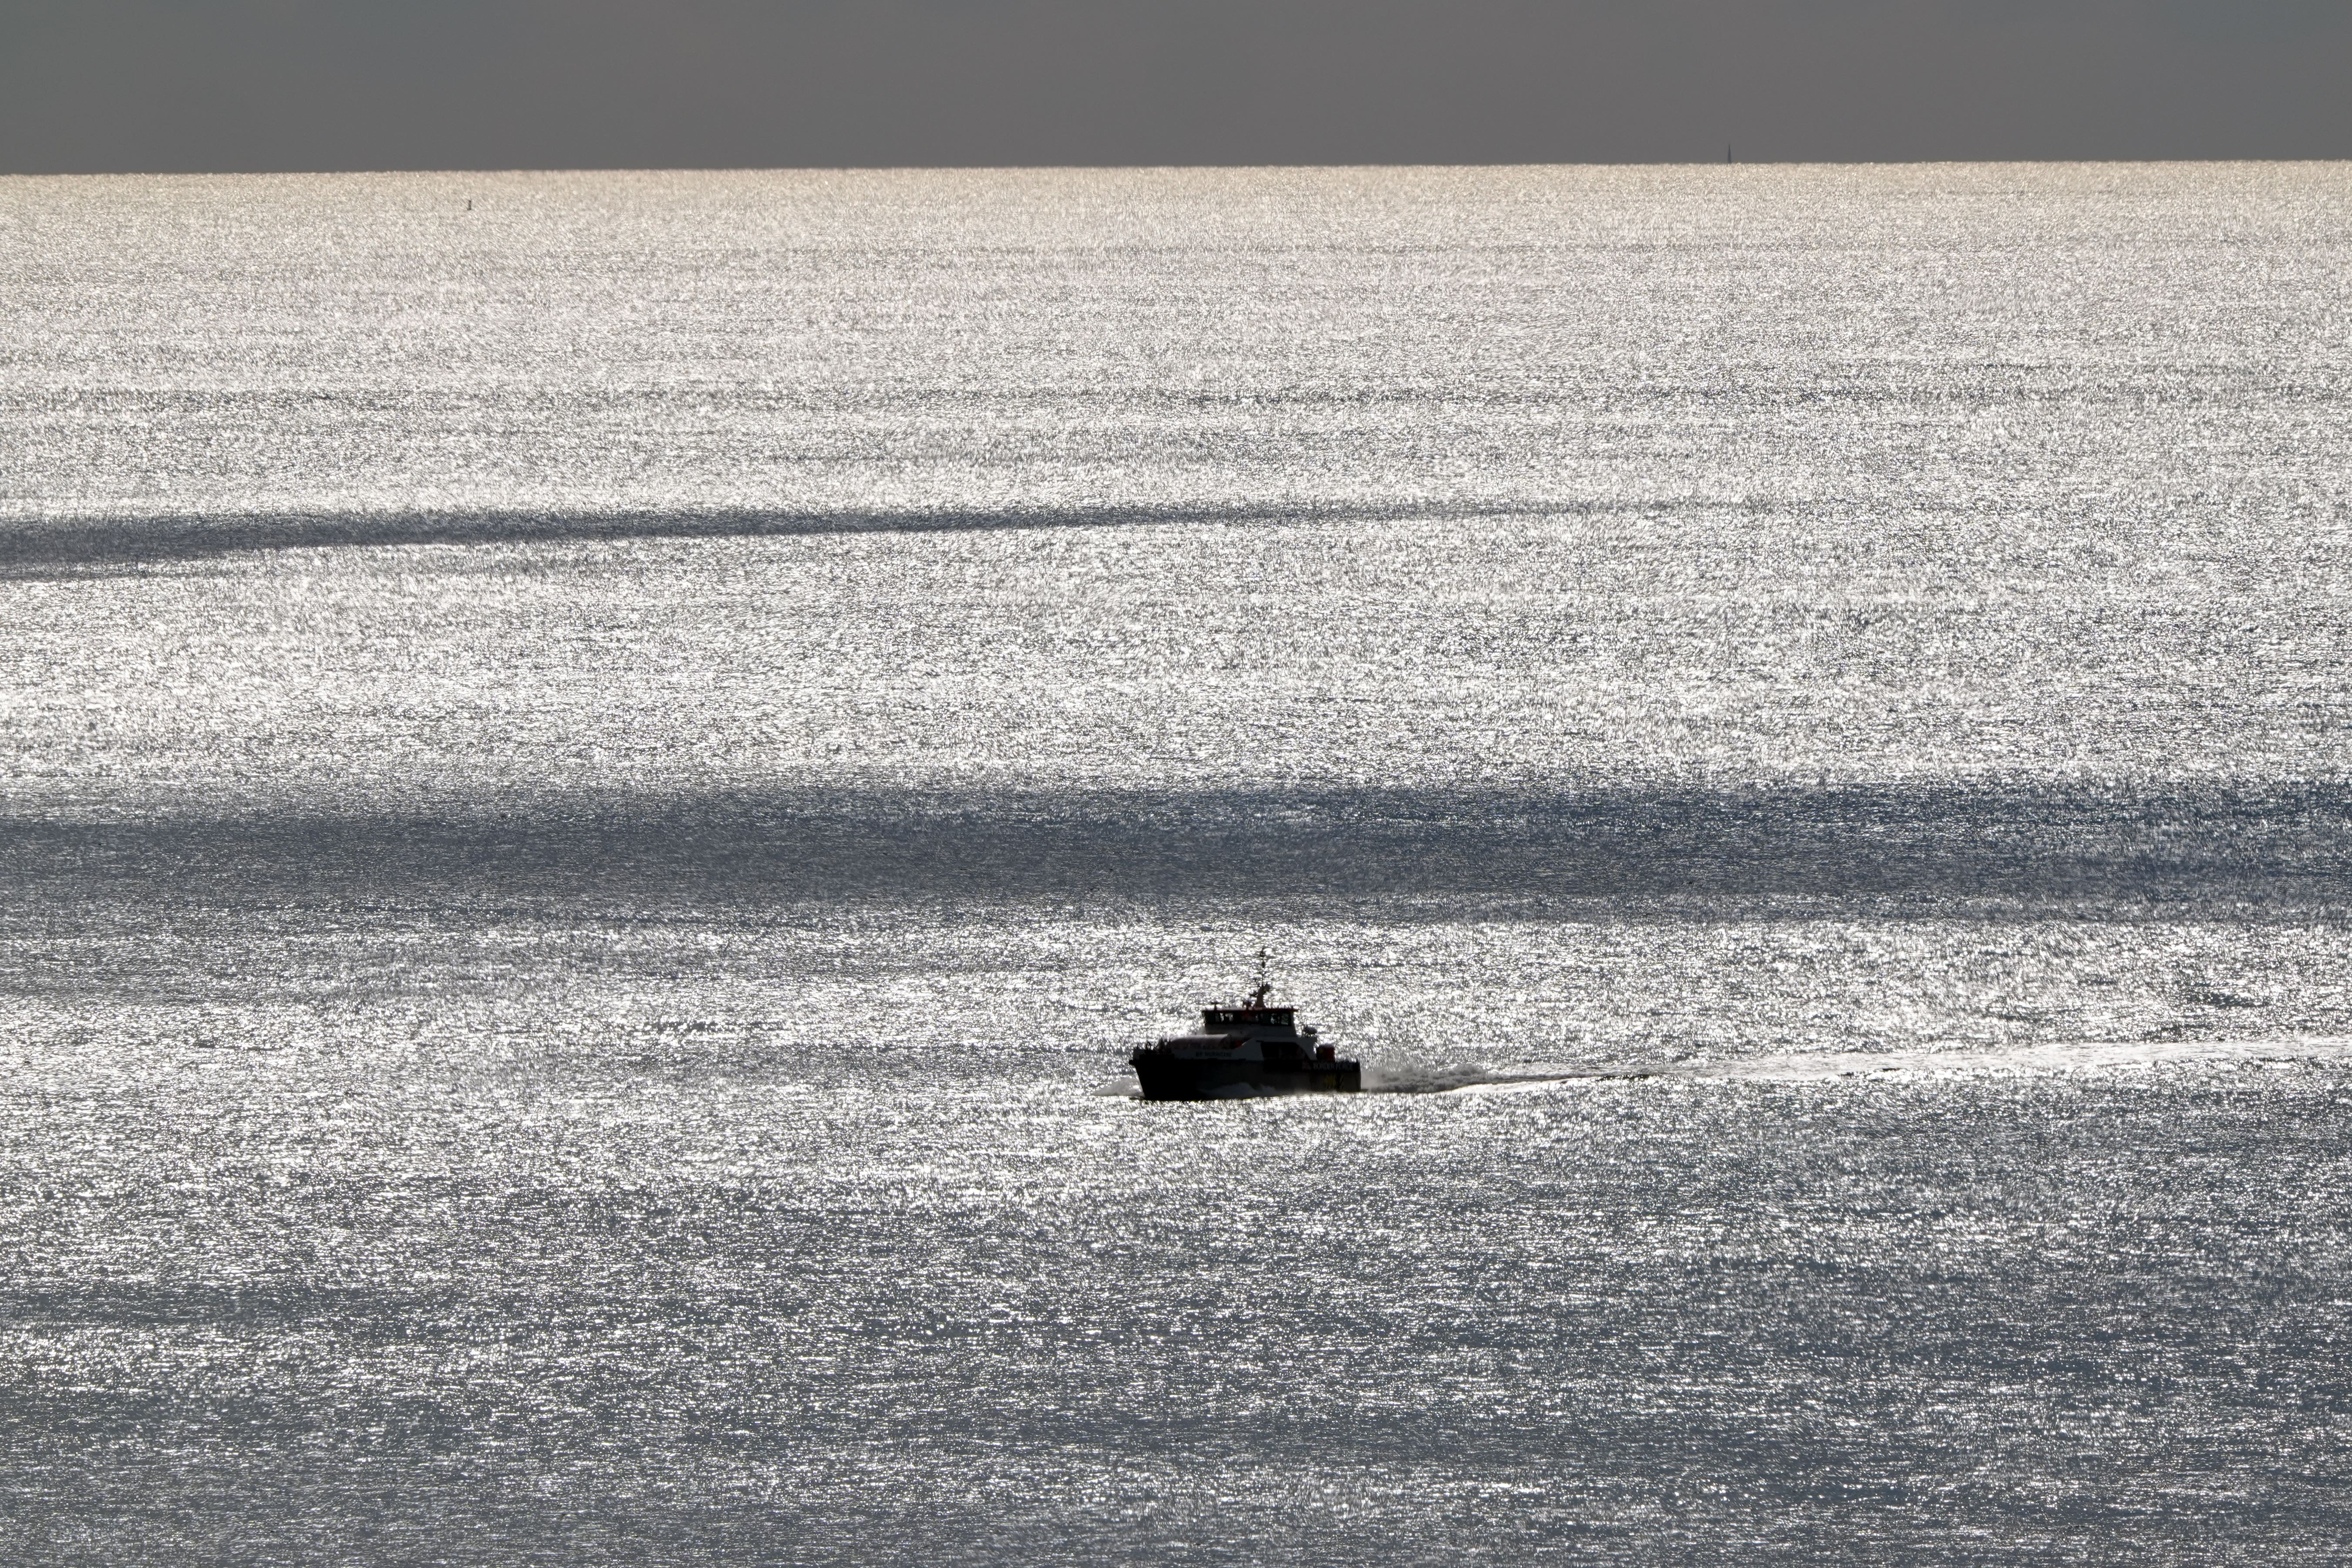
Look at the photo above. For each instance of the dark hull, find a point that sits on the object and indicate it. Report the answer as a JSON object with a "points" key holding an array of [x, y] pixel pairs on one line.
{"points": [[1167, 1078]]}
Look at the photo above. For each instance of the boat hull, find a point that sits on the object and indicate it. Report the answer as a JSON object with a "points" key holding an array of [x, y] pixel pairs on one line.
{"points": [[1165, 1077]]}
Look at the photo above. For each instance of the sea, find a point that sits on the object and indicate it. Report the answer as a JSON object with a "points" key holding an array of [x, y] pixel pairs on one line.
{"points": [[598, 772]]}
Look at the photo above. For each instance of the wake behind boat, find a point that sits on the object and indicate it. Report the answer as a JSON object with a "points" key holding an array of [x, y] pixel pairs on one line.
{"points": [[1250, 1049]]}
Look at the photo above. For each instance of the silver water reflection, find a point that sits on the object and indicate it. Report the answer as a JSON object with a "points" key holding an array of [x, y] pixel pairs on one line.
{"points": [[596, 786]]}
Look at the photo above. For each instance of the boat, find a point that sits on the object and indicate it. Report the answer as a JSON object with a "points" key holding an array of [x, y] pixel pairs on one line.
{"points": [[1251, 1049]]}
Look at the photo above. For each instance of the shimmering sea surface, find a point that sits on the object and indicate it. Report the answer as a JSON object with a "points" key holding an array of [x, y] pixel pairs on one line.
{"points": [[600, 771]]}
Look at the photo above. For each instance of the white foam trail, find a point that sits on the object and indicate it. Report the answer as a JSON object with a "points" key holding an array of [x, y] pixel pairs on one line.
{"points": [[2038, 1058], [1810, 1067], [2048, 1056]]}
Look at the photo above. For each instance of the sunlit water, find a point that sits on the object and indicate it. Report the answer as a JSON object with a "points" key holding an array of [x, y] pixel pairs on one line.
{"points": [[600, 771]]}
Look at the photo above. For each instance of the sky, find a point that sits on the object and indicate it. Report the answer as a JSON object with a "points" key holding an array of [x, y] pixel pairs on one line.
{"points": [[94, 86]]}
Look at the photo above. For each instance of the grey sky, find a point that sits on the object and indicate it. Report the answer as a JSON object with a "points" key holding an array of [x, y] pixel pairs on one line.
{"points": [[92, 85]]}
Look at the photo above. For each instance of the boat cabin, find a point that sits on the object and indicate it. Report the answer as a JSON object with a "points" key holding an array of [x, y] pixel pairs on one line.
{"points": [[1215, 1020]]}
